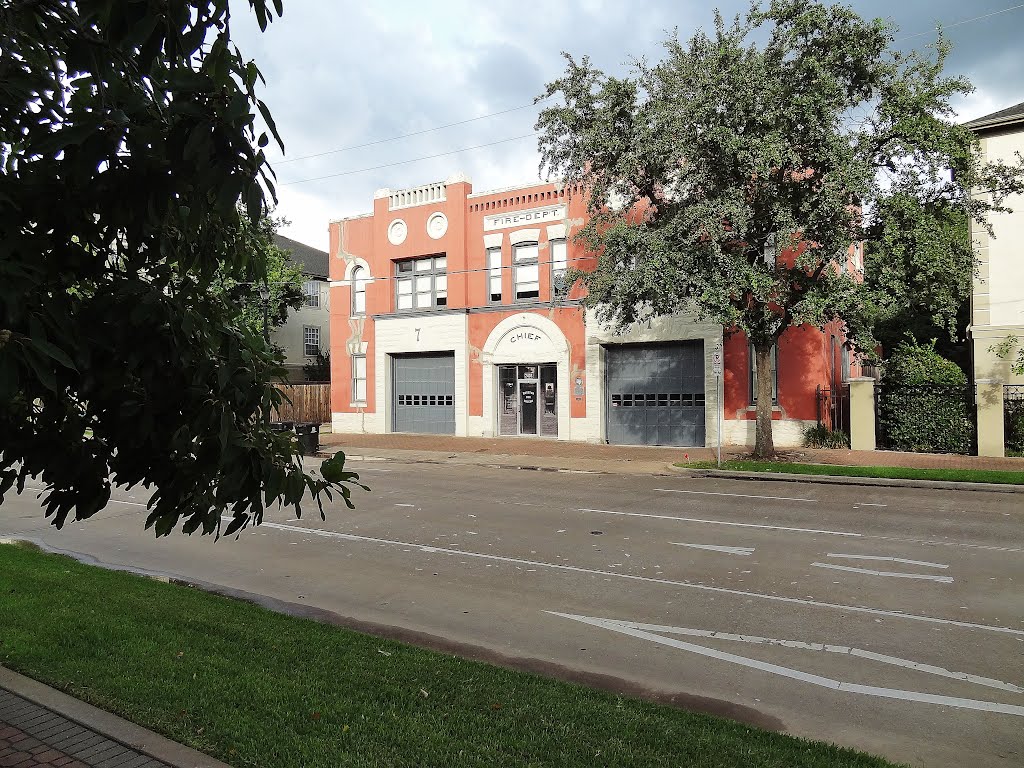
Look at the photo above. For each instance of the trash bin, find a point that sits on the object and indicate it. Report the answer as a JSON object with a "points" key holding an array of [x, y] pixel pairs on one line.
{"points": [[309, 437], [281, 426]]}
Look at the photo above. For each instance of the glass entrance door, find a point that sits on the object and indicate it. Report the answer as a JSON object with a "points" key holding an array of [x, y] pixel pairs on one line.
{"points": [[528, 407]]}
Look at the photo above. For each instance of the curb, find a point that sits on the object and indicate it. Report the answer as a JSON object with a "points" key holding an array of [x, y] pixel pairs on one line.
{"points": [[116, 729], [786, 477]]}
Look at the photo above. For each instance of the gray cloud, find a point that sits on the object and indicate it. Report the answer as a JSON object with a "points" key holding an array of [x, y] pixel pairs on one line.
{"points": [[345, 73]]}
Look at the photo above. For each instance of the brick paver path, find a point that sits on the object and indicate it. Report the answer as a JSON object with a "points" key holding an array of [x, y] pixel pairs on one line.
{"points": [[32, 736]]}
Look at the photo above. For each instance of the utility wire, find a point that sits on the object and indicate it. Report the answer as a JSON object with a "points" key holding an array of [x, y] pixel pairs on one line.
{"points": [[406, 135], [959, 23], [539, 263], [406, 162]]}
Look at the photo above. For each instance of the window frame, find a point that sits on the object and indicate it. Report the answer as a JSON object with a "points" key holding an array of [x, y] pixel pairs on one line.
{"points": [[358, 289], [311, 298], [432, 272], [517, 265], [305, 343], [495, 273], [752, 375], [356, 378], [558, 270]]}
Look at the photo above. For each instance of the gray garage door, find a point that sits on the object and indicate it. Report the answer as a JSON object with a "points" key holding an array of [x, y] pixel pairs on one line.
{"points": [[654, 394], [424, 393]]}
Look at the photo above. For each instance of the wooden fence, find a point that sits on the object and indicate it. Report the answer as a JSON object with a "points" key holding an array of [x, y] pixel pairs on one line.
{"points": [[309, 402]]}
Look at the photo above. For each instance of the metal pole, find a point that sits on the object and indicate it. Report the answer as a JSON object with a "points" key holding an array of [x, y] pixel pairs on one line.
{"points": [[266, 334], [721, 405]]}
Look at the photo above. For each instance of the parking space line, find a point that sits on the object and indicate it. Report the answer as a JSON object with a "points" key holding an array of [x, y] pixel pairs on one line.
{"points": [[720, 522], [888, 574], [796, 674]]}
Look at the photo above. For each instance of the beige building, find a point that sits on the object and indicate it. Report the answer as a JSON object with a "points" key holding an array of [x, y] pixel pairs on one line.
{"points": [[308, 328], [997, 301]]}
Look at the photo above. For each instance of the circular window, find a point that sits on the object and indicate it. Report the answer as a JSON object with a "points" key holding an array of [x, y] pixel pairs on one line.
{"points": [[397, 232], [437, 225]]}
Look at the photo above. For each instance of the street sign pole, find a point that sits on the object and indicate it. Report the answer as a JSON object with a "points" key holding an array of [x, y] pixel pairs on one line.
{"points": [[716, 367]]}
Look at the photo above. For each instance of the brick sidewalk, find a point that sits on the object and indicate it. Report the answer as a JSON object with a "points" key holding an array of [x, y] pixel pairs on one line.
{"points": [[32, 736], [573, 453]]}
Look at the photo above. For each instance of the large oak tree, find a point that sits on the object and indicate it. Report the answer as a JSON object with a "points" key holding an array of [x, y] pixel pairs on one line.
{"points": [[127, 142], [729, 179]]}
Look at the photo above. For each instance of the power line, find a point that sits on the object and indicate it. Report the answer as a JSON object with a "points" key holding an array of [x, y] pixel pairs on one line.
{"points": [[405, 135], [384, 278], [406, 162], [959, 23]]}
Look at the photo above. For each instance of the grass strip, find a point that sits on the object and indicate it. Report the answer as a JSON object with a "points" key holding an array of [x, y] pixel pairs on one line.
{"points": [[257, 688], [894, 473]]}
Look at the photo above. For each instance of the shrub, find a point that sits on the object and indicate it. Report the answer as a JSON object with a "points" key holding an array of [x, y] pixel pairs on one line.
{"points": [[820, 436], [1013, 425], [923, 402]]}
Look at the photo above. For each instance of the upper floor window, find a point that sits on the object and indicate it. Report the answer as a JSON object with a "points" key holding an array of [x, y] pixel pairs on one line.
{"points": [[753, 375], [494, 275], [359, 291], [310, 340], [421, 283], [559, 266], [526, 271], [311, 292]]}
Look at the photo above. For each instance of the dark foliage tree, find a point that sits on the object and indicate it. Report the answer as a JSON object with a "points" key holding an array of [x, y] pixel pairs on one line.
{"points": [[127, 141]]}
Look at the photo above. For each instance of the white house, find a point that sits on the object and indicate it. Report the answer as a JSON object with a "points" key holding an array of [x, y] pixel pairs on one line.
{"points": [[307, 330]]}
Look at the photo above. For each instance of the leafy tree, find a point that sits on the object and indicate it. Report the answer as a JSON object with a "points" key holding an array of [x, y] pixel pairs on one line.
{"points": [[730, 178], [320, 368], [283, 277], [918, 266], [127, 139]]}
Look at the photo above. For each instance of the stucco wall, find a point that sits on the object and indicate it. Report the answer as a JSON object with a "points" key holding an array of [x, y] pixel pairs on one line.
{"points": [[289, 335]]}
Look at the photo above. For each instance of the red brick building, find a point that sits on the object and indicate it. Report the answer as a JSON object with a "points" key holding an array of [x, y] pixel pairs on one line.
{"points": [[443, 320]]}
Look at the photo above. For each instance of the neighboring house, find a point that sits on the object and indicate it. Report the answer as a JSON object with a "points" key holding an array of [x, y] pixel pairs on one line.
{"points": [[308, 328], [997, 301], [451, 326]]}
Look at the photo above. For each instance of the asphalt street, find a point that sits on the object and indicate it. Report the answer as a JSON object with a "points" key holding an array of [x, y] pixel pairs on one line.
{"points": [[888, 619]]}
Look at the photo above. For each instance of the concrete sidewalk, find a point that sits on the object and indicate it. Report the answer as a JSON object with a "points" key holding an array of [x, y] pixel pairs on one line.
{"points": [[571, 456], [41, 727]]}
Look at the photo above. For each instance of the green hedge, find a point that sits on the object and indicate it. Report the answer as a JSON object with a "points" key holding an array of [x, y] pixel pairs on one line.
{"points": [[924, 402], [1013, 425]]}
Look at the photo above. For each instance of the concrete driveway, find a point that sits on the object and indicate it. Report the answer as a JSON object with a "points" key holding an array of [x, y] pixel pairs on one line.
{"points": [[888, 619]]}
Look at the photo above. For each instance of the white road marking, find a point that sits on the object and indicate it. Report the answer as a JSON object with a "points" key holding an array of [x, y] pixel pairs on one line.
{"points": [[742, 551], [890, 574], [638, 631], [646, 579], [721, 522], [903, 560], [737, 495], [869, 504], [133, 503], [405, 505]]}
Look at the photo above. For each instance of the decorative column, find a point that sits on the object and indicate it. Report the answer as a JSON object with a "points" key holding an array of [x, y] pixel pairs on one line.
{"points": [[991, 441], [862, 414]]}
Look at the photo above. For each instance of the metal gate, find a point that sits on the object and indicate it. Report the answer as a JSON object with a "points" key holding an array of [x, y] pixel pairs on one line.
{"points": [[423, 393], [654, 394]]}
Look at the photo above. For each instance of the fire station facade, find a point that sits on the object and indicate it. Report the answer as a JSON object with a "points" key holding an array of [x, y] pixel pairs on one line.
{"points": [[447, 318]]}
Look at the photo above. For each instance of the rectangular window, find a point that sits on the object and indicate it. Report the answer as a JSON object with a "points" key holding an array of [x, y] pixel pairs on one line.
{"points": [[421, 283], [311, 291], [526, 272], [559, 265], [358, 378], [310, 340], [494, 275], [753, 375]]}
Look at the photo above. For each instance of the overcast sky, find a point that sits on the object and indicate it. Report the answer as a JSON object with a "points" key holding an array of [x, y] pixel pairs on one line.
{"points": [[342, 74]]}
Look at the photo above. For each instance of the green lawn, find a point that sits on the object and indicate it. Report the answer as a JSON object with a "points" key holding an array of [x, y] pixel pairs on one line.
{"points": [[896, 473], [253, 687]]}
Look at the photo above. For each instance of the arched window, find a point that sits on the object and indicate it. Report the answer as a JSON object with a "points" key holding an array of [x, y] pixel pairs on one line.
{"points": [[359, 291]]}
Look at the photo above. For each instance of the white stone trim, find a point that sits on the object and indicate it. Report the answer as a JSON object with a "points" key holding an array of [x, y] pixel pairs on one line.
{"points": [[494, 240], [349, 267], [524, 236], [556, 232], [554, 350]]}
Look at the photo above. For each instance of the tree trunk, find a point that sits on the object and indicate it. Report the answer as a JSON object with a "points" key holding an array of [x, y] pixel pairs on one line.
{"points": [[764, 443]]}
